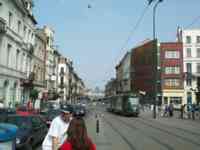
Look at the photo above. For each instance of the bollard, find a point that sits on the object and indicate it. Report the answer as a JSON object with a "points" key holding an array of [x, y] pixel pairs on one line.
{"points": [[97, 126]]}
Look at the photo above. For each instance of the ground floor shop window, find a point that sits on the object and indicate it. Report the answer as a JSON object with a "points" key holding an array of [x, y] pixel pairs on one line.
{"points": [[176, 100], [165, 100]]}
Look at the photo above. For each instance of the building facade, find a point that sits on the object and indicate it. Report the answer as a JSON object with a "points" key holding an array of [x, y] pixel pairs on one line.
{"points": [[63, 78], [38, 65], [172, 77], [145, 74], [17, 36], [50, 77], [111, 87], [123, 74], [191, 61]]}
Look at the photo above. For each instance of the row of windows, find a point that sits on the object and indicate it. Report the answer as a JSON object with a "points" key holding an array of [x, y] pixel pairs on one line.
{"points": [[189, 52], [172, 54], [172, 82], [21, 62], [176, 70], [189, 67], [172, 70], [188, 39], [26, 33]]}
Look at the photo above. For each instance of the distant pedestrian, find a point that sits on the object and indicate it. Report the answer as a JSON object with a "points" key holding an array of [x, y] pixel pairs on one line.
{"points": [[166, 111], [189, 110], [77, 137], [171, 109], [193, 111], [182, 111], [57, 131]]}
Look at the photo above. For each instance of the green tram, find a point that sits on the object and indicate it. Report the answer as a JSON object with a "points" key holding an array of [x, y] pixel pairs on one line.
{"points": [[124, 104]]}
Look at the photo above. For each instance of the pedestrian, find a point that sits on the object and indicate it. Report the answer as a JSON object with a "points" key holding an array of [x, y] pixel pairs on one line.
{"points": [[57, 131], [171, 109], [193, 111], [77, 136], [166, 111], [189, 110], [182, 110]]}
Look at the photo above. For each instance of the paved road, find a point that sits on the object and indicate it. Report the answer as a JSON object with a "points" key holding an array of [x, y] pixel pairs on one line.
{"points": [[143, 133]]}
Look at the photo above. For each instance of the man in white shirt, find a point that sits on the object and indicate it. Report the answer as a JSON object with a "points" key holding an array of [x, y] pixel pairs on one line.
{"points": [[57, 133]]}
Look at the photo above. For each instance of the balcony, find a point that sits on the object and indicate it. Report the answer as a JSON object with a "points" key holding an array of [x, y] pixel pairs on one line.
{"points": [[3, 27], [30, 49], [29, 81]]}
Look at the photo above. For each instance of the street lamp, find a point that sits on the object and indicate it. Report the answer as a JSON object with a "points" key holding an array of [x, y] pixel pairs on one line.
{"points": [[154, 18], [154, 38]]}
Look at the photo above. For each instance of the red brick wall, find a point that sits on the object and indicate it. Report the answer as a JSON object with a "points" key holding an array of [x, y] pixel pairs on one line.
{"points": [[171, 62], [143, 62]]}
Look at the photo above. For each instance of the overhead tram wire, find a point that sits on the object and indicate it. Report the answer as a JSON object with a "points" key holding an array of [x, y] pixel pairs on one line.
{"points": [[135, 27], [130, 35], [193, 22]]}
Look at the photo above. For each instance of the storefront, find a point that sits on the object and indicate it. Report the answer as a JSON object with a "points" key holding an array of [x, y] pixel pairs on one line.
{"points": [[173, 96]]}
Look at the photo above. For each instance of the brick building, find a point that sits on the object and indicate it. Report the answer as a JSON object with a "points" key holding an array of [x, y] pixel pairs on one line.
{"points": [[171, 60]]}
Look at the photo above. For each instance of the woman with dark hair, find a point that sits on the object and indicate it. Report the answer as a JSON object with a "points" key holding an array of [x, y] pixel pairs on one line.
{"points": [[77, 137]]}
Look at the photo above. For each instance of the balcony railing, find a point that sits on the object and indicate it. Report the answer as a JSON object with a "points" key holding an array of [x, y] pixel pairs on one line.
{"points": [[3, 27], [29, 81], [30, 49]]}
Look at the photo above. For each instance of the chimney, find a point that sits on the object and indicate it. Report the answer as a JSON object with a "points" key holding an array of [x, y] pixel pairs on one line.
{"points": [[179, 34]]}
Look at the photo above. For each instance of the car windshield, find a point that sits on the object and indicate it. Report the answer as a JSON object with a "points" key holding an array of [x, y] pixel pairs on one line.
{"points": [[20, 121]]}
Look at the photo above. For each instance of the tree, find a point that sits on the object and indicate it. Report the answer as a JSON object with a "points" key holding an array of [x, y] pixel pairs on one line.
{"points": [[34, 95]]}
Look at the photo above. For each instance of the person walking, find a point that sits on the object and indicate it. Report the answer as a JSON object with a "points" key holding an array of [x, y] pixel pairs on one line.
{"points": [[182, 110], [165, 111], [171, 109], [193, 111], [57, 131], [77, 136]]}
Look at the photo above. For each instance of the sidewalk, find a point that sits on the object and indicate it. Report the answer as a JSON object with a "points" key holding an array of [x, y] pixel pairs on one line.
{"points": [[149, 114], [106, 139]]}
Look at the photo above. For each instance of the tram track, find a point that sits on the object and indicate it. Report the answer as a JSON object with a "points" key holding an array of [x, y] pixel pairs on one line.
{"points": [[167, 146], [132, 147], [168, 132], [177, 128]]}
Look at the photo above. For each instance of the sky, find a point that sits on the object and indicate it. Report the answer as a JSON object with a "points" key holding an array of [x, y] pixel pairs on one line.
{"points": [[95, 38]]}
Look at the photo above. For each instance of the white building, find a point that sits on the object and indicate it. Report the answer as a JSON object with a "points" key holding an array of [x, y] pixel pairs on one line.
{"points": [[49, 72], [191, 59], [38, 64], [17, 26], [64, 78]]}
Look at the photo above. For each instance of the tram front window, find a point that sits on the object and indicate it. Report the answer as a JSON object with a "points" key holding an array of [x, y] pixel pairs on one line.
{"points": [[133, 101]]}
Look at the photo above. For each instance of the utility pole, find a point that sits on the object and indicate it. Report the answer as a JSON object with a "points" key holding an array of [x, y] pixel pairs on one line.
{"points": [[154, 38]]}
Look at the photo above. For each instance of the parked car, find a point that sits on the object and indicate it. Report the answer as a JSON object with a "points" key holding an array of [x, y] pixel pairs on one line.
{"points": [[31, 130], [49, 115], [79, 110], [7, 111], [23, 110], [68, 106]]}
